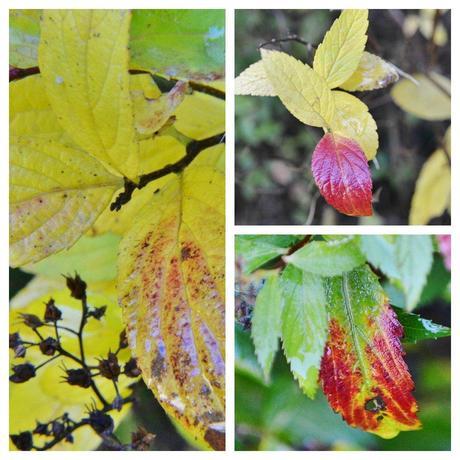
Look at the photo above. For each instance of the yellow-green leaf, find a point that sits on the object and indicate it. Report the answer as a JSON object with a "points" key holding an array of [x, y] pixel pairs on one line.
{"points": [[171, 289], [303, 92], [372, 73], [200, 116], [83, 58], [429, 99], [45, 397], [353, 120], [432, 190], [254, 82], [56, 193], [339, 54]]}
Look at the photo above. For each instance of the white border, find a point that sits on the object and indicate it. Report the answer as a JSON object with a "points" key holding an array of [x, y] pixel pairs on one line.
{"points": [[230, 228]]}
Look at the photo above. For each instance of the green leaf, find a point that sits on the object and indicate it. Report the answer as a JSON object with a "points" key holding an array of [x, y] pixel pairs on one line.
{"points": [[257, 250], [304, 325], [414, 256], [179, 43], [417, 328], [93, 258], [380, 253], [266, 322], [328, 258]]}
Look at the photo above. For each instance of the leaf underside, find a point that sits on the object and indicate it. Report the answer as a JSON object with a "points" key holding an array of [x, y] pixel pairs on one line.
{"points": [[363, 373]]}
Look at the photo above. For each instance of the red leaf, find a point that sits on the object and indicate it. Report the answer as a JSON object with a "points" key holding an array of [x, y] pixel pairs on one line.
{"points": [[363, 373], [342, 175]]}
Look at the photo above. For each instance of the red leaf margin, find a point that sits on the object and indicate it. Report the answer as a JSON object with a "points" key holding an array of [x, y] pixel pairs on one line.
{"points": [[342, 174]]}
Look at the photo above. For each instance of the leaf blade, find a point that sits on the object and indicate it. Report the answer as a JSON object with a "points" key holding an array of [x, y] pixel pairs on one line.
{"points": [[253, 81], [342, 175], [83, 58], [266, 323], [328, 258], [302, 91], [339, 54], [304, 326], [171, 282], [363, 373]]}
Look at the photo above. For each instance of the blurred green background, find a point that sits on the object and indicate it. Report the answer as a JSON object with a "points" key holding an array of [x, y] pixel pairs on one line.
{"points": [[276, 415], [273, 149]]}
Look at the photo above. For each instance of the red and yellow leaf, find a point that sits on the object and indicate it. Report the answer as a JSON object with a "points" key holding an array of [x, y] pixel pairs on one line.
{"points": [[171, 288], [342, 175], [363, 373]]}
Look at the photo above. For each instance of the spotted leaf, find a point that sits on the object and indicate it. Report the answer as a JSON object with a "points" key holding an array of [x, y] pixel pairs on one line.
{"points": [[342, 175], [171, 288], [363, 373]]}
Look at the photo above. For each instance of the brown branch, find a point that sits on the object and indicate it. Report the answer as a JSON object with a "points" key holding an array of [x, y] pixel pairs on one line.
{"points": [[192, 150]]}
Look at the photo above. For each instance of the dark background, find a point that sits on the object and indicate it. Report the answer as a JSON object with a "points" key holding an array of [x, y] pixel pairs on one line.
{"points": [[273, 149]]}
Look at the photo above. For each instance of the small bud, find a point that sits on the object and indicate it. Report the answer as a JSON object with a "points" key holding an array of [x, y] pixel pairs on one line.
{"points": [[22, 373], [76, 286], [69, 438], [32, 321], [58, 429], [41, 429], [52, 313], [98, 313], [100, 422], [123, 339], [109, 368], [23, 441], [15, 340], [49, 346], [78, 377], [131, 369], [142, 439]]}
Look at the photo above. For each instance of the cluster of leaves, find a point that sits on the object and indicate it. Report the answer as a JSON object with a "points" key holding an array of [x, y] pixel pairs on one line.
{"points": [[341, 172], [117, 169], [323, 297]]}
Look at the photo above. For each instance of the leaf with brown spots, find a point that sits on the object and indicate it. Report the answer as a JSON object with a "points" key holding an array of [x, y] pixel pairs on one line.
{"points": [[171, 288]]}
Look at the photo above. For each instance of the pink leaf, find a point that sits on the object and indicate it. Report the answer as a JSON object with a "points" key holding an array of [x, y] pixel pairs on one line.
{"points": [[444, 249], [342, 175]]}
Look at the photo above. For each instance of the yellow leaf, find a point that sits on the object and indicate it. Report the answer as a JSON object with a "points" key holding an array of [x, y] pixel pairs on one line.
{"points": [[254, 82], [171, 284], [154, 154], [83, 58], [152, 114], [30, 111], [354, 121], [200, 116], [338, 56], [432, 190], [372, 73], [429, 99], [56, 193], [440, 36], [303, 92], [45, 396]]}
